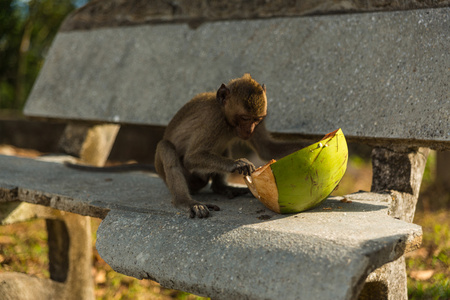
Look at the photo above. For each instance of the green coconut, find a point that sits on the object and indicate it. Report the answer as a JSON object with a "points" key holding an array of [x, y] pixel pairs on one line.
{"points": [[303, 179]]}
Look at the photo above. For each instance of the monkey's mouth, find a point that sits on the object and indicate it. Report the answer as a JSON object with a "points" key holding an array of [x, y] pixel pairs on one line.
{"points": [[246, 137]]}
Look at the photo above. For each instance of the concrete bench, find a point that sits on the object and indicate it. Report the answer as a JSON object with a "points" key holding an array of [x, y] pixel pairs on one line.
{"points": [[378, 76]]}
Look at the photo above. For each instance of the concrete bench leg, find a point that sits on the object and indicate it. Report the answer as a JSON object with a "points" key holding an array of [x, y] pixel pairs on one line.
{"points": [[397, 172], [70, 256], [91, 143], [386, 283], [69, 235]]}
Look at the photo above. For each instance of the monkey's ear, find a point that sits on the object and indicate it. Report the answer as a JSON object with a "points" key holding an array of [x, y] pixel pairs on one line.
{"points": [[264, 87], [222, 94]]}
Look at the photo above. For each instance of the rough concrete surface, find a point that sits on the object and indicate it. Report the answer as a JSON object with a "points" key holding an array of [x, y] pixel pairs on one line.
{"points": [[111, 13], [244, 249], [381, 75], [314, 255]]}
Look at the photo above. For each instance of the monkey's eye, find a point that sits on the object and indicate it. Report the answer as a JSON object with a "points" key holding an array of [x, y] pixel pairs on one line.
{"points": [[258, 120], [245, 118]]}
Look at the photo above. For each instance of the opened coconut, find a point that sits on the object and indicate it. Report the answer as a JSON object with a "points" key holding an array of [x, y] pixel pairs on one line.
{"points": [[303, 179]]}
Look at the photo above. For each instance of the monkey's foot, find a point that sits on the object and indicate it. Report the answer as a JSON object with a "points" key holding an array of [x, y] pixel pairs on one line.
{"points": [[230, 191], [201, 210]]}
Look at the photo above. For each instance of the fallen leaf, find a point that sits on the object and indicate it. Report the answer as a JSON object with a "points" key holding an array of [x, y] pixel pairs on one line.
{"points": [[100, 277], [6, 240], [345, 200], [421, 275], [419, 253]]}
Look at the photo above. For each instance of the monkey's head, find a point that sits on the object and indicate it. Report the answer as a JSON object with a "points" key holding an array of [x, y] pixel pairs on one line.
{"points": [[244, 104]]}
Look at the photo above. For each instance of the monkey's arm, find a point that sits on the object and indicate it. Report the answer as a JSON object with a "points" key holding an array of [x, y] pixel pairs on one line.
{"points": [[269, 147], [206, 162]]}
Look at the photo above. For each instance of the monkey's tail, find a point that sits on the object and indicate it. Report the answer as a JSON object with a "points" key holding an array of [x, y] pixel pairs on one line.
{"points": [[114, 169]]}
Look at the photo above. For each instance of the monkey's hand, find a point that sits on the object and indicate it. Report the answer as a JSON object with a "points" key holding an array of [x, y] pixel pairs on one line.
{"points": [[201, 210], [243, 166]]}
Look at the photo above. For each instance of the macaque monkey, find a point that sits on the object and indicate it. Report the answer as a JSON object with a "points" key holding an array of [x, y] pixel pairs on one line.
{"points": [[195, 145], [194, 149]]}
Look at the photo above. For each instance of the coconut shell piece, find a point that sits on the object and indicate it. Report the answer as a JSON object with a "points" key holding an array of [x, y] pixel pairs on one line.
{"points": [[303, 179]]}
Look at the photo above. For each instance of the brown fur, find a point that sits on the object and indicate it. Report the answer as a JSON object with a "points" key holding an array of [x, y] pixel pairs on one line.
{"points": [[195, 144], [249, 92]]}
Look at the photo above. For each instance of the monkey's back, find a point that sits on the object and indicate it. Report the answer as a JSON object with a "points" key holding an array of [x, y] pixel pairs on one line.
{"points": [[198, 122]]}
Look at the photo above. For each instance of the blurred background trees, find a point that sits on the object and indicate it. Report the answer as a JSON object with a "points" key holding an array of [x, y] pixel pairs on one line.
{"points": [[27, 28]]}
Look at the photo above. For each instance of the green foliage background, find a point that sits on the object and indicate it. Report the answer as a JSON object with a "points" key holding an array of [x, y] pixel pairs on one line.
{"points": [[27, 28]]}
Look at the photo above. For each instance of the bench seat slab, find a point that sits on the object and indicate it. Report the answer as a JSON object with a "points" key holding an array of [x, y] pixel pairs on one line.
{"points": [[244, 249]]}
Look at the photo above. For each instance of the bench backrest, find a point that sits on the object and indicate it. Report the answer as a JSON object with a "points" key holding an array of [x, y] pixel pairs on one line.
{"points": [[378, 76]]}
